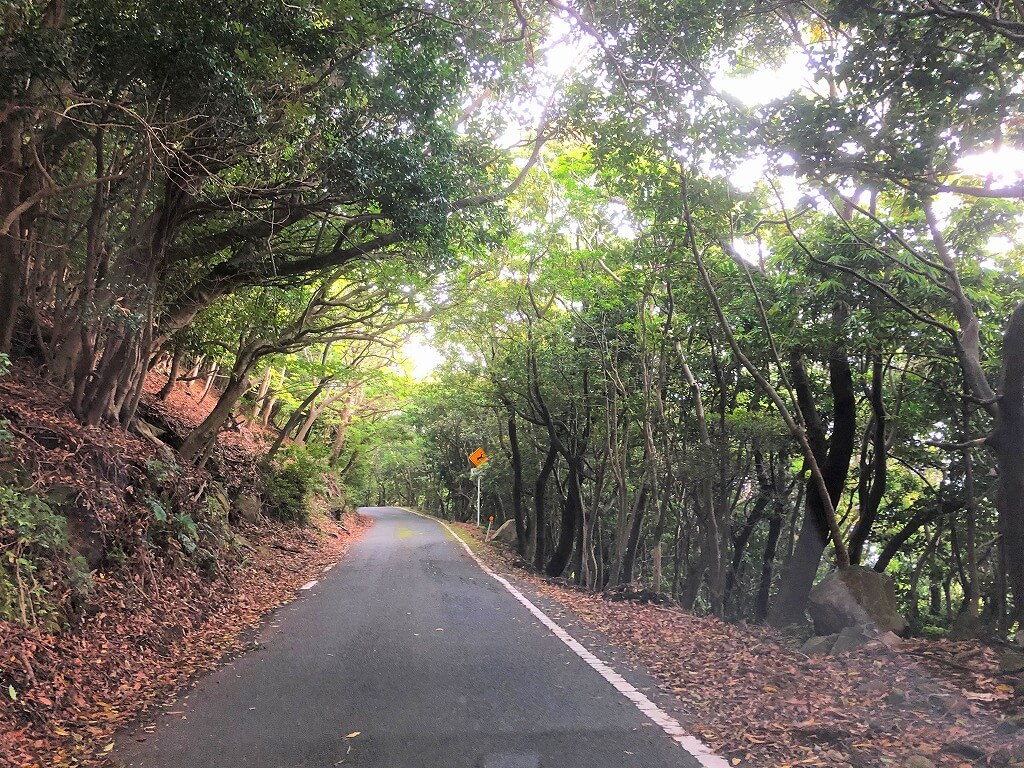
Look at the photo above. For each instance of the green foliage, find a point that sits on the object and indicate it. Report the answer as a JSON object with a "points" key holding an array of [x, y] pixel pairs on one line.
{"points": [[290, 484], [33, 537]]}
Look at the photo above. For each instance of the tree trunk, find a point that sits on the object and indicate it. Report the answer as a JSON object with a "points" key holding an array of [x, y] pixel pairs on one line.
{"points": [[1008, 443], [173, 373], [633, 540], [870, 494], [802, 568], [515, 454], [764, 586], [572, 514], [11, 267], [204, 436], [540, 488], [294, 419]]}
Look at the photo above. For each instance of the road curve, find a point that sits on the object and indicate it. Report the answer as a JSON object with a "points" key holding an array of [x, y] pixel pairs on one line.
{"points": [[432, 661]]}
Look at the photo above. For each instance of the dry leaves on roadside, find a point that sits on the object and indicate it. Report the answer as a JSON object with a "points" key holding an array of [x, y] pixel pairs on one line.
{"points": [[757, 700]]}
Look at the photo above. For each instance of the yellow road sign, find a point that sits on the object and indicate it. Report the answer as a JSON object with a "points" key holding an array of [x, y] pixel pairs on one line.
{"points": [[478, 457]]}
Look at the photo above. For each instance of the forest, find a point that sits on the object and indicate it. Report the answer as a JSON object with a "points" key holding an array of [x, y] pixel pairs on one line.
{"points": [[730, 291]]}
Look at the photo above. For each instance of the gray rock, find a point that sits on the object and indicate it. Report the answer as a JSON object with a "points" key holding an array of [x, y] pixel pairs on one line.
{"points": [[61, 495], [1011, 662], [890, 640], [819, 645], [248, 507], [854, 596], [919, 761], [896, 696], [966, 627], [506, 533], [852, 638]]}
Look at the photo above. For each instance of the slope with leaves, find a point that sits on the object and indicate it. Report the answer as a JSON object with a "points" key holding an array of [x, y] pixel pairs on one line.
{"points": [[147, 612]]}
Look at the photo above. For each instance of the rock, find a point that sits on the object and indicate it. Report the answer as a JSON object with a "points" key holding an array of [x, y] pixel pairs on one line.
{"points": [[965, 748], [149, 432], [819, 645], [149, 427], [1011, 662], [82, 526], [890, 640], [506, 533], [966, 627], [61, 495], [852, 638], [852, 596], [896, 697], [950, 703], [919, 761], [802, 630], [247, 507], [1008, 725]]}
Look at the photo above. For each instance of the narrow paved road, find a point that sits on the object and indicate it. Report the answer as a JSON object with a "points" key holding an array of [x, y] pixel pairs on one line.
{"points": [[431, 660]]}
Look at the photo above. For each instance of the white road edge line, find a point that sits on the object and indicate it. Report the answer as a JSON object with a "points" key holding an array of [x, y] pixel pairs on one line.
{"points": [[309, 585], [694, 746]]}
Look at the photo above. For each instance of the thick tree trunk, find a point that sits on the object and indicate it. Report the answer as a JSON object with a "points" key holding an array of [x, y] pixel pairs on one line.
{"points": [[516, 457], [540, 489], [198, 444], [11, 267], [633, 539], [572, 514], [173, 373], [802, 568], [871, 492], [1008, 443]]}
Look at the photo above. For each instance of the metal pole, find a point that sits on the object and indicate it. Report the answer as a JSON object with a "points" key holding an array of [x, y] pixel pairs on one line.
{"points": [[478, 499]]}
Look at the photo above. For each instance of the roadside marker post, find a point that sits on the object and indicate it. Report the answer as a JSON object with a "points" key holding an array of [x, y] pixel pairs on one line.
{"points": [[477, 458]]}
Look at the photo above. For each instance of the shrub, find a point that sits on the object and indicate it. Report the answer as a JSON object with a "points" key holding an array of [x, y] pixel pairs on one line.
{"points": [[291, 483], [32, 537]]}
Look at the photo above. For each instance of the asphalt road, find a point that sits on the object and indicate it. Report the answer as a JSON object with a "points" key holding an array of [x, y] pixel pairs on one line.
{"points": [[431, 660]]}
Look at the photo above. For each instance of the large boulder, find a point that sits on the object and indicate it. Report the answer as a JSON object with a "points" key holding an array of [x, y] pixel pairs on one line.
{"points": [[248, 507], [854, 596], [506, 533]]}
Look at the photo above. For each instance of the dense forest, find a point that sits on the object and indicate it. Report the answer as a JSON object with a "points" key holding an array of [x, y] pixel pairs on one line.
{"points": [[730, 292]]}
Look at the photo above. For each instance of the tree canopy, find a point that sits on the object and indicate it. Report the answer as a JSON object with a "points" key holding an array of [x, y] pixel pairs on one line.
{"points": [[731, 292]]}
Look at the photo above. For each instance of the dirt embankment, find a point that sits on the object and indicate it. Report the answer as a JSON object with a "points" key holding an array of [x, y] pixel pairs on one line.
{"points": [[158, 576]]}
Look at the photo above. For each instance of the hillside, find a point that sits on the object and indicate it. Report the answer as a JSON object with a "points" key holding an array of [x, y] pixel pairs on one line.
{"points": [[150, 571]]}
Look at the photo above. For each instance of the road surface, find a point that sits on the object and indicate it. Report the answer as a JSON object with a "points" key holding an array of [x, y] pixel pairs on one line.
{"points": [[430, 659]]}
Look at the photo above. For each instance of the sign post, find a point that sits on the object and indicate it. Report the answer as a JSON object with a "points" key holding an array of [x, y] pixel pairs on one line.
{"points": [[477, 458]]}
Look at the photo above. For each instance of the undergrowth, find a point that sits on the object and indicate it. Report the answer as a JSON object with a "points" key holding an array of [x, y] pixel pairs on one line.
{"points": [[34, 541], [291, 482]]}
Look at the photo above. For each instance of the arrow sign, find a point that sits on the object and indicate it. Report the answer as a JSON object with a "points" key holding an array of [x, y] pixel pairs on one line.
{"points": [[478, 457]]}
